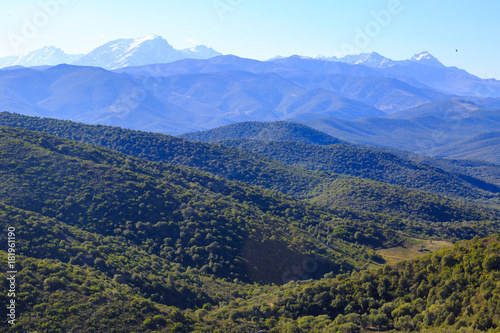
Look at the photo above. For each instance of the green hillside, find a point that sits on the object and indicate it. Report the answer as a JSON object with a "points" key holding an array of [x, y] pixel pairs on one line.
{"points": [[376, 165], [255, 169], [377, 197], [317, 186], [257, 132], [183, 215], [230, 163], [272, 131], [453, 290], [109, 242]]}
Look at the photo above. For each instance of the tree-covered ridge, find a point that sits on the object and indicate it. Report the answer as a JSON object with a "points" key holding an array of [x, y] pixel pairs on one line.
{"points": [[273, 131], [454, 290], [376, 165], [317, 186], [189, 217], [486, 171], [373, 196], [265, 131], [230, 163], [236, 164], [56, 297]]}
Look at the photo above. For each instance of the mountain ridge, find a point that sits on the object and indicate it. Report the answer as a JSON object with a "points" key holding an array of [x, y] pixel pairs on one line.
{"points": [[154, 49], [423, 129], [271, 131], [113, 54], [172, 104], [46, 56], [142, 51], [252, 168]]}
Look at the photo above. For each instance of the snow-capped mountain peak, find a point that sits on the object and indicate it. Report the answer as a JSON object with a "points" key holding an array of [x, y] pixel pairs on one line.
{"points": [[47, 55], [374, 59], [426, 58], [200, 52], [147, 50], [141, 40], [152, 49]]}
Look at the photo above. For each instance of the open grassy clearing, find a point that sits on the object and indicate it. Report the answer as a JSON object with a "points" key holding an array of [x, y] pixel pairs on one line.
{"points": [[412, 248]]}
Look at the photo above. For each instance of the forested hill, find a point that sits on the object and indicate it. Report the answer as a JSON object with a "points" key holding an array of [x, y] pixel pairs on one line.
{"points": [[271, 131], [454, 290], [389, 203], [318, 186], [226, 162], [108, 242], [283, 170], [373, 164], [296, 145], [192, 218]]}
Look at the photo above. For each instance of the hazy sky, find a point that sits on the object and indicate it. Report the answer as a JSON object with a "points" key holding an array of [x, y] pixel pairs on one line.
{"points": [[262, 29]]}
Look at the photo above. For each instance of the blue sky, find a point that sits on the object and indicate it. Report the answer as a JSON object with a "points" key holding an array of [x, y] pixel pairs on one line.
{"points": [[262, 29]]}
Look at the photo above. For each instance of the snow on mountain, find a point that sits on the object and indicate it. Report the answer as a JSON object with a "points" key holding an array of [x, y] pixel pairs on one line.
{"points": [[423, 70], [139, 41], [425, 58], [376, 60], [142, 51], [200, 52], [8, 61], [372, 59], [119, 53], [48, 55], [130, 52]]}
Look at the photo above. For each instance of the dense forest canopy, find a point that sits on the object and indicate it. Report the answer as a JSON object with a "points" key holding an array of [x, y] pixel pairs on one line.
{"points": [[120, 230]]}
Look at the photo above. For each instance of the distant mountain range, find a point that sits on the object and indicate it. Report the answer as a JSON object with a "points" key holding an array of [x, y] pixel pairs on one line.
{"points": [[115, 54], [450, 128], [426, 69], [376, 60], [418, 104], [136, 52], [174, 104], [421, 71], [200, 94], [46, 56]]}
